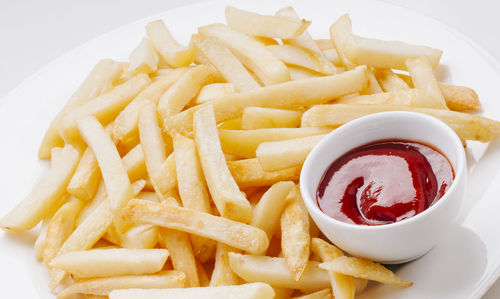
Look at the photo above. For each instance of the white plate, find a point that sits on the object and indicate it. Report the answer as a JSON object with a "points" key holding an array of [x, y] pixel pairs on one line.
{"points": [[463, 265]]}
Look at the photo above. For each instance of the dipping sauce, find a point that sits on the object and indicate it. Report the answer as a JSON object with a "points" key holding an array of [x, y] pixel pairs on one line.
{"points": [[384, 182]]}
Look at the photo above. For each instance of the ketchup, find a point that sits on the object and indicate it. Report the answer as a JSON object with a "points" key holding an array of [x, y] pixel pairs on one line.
{"points": [[384, 182]]}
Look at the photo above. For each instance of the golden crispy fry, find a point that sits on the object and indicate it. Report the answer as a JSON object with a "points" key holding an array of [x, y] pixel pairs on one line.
{"points": [[342, 285], [45, 198], [212, 91], [423, 77], [85, 180], [261, 118], [222, 274], [245, 143], [232, 233], [104, 286], [249, 173], [245, 291], [365, 269], [460, 98], [409, 97], [229, 200], [467, 126], [264, 25], [104, 73], [143, 59], [168, 48], [297, 93], [277, 155]]}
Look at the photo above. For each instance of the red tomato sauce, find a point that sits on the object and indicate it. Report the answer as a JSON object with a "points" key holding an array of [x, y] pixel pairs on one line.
{"points": [[384, 182]]}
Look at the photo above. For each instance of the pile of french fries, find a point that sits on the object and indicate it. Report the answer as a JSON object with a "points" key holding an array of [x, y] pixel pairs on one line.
{"points": [[174, 175]]}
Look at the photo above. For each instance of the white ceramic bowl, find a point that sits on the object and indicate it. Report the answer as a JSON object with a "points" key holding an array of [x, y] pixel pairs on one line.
{"points": [[400, 241]]}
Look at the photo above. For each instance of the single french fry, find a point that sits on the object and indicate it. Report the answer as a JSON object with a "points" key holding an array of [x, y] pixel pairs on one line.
{"points": [[46, 194], [365, 269], [274, 271], [229, 200], [186, 88], [229, 232], [125, 124], [245, 291], [467, 126], [83, 184], [295, 237], [292, 94], [390, 81], [192, 188], [269, 69], [115, 177], [460, 98], [340, 33], [105, 107], [227, 64], [60, 228], [322, 294], [261, 118], [168, 48], [423, 77], [264, 25], [104, 286], [266, 214], [296, 56], [278, 155], [409, 97], [378, 53], [249, 173], [104, 73], [120, 261], [139, 236], [40, 242], [143, 59], [245, 143], [222, 274], [342, 285], [212, 91]]}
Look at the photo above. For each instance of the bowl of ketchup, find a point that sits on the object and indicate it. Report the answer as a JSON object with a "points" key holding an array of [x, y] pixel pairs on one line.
{"points": [[386, 186]]}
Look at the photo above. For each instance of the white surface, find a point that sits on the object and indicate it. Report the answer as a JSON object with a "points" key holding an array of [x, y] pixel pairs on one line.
{"points": [[402, 241], [35, 32]]}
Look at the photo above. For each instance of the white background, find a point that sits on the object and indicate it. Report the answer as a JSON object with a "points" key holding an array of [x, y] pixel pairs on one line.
{"points": [[33, 33]]}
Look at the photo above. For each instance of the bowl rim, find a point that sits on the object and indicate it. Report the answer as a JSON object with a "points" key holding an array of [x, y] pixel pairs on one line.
{"points": [[459, 168]]}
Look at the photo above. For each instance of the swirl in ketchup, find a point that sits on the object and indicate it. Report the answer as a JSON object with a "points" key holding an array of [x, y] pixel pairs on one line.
{"points": [[384, 182]]}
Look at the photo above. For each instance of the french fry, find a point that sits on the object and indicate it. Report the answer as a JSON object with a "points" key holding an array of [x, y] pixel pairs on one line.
{"points": [[125, 124], [168, 48], [114, 174], [104, 73], [264, 25], [274, 271], [192, 188], [365, 269], [40, 241], [467, 126], [60, 228], [222, 274], [245, 143], [84, 182], [186, 88], [322, 294], [293, 55], [212, 91], [134, 163], [423, 77], [229, 232], [342, 285], [460, 98], [120, 261], [340, 33], [266, 214], [245, 291], [277, 155], [409, 97], [390, 81], [373, 86], [299, 73], [181, 254], [143, 59], [45, 196], [306, 41], [227, 64], [295, 237], [249, 173], [261, 118], [293, 94], [105, 107], [229, 200], [269, 69], [139, 236], [377, 53], [104, 286]]}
